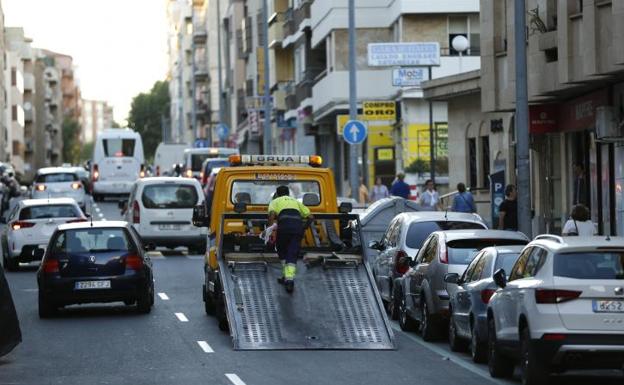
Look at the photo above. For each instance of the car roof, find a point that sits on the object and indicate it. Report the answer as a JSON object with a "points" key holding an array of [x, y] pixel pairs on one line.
{"points": [[453, 235], [427, 216], [44, 202], [94, 224], [575, 243], [166, 179], [56, 170]]}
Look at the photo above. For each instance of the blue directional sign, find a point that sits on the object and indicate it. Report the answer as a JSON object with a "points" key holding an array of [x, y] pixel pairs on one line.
{"points": [[354, 132], [223, 131]]}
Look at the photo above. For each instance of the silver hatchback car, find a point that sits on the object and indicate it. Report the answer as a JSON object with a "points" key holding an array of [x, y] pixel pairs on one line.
{"points": [[423, 293]]}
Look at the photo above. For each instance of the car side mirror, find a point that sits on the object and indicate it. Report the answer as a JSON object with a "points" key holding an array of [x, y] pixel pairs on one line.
{"points": [[240, 207], [451, 278], [345, 208], [199, 216], [149, 247], [500, 278], [375, 245], [38, 253]]}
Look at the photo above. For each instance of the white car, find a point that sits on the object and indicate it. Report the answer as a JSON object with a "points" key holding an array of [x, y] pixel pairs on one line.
{"points": [[562, 308], [161, 211], [59, 182], [31, 224]]}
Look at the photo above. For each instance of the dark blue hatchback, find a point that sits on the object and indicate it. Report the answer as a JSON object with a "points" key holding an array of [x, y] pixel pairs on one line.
{"points": [[95, 262]]}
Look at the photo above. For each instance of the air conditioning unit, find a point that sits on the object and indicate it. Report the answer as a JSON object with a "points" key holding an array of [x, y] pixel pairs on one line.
{"points": [[606, 125]]}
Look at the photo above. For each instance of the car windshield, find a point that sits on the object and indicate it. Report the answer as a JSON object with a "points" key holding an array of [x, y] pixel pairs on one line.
{"points": [[49, 211], [198, 159], [598, 265], [92, 240], [118, 147], [169, 196], [463, 251], [506, 261], [211, 165], [260, 192], [419, 231], [57, 178]]}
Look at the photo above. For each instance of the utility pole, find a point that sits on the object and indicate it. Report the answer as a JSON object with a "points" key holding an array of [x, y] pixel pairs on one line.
{"points": [[522, 122], [193, 80], [220, 69], [353, 148], [432, 154], [266, 135], [180, 83]]}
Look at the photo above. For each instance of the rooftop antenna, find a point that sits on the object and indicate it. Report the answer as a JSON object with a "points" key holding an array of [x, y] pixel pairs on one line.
{"points": [[91, 216]]}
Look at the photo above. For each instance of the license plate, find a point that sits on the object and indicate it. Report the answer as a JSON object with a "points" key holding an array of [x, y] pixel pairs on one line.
{"points": [[608, 306], [87, 285], [168, 227]]}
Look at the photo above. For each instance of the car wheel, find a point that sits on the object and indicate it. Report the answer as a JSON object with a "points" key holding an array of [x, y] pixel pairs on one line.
{"points": [[209, 304], [405, 321], [221, 313], [499, 365], [455, 342], [145, 300], [395, 302], [46, 308], [427, 329], [534, 372], [478, 350]]}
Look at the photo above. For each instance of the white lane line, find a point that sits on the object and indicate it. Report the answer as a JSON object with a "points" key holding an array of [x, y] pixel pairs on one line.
{"points": [[234, 379], [455, 358], [195, 256], [163, 296], [205, 347], [97, 209], [103, 219], [156, 255], [101, 215], [181, 317]]}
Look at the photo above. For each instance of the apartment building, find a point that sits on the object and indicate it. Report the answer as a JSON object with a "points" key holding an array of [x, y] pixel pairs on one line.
{"points": [[4, 123], [70, 87], [96, 116], [576, 96]]}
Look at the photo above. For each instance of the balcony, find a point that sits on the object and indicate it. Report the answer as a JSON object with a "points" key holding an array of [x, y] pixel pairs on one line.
{"points": [[288, 27], [201, 71], [240, 105], [51, 75], [302, 13], [291, 96], [276, 30], [29, 113], [200, 35], [29, 82]]}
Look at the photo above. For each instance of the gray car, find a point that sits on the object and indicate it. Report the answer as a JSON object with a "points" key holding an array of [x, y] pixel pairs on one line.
{"points": [[468, 304], [424, 296]]}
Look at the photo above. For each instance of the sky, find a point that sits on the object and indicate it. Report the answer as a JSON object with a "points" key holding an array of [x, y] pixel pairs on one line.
{"points": [[119, 46]]}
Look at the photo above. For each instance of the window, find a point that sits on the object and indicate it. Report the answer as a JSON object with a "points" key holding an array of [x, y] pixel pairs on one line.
{"points": [[419, 231], [506, 261], [14, 113], [478, 270], [535, 262], [300, 64], [432, 250], [260, 192], [485, 161], [463, 251], [13, 77], [57, 178], [169, 196], [517, 271], [49, 211], [468, 272], [468, 27], [598, 265], [472, 161], [118, 147], [92, 240]]}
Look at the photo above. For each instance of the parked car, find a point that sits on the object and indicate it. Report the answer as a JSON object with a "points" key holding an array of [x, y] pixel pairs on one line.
{"points": [[167, 154], [160, 209], [561, 308], [400, 244], [468, 304], [31, 224], [59, 182], [83, 175], [423, 294], [94, 262], [195, 157], [209, 165]]}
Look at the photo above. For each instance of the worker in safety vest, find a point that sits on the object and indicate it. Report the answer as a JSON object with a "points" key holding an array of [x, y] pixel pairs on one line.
{"points": [[289, 214]]}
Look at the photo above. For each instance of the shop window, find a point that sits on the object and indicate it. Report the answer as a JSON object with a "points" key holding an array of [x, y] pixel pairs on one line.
{"points": [[13, 77], [472, 162], [485, 161], [468, 27], [500, 26], [14, 113]]}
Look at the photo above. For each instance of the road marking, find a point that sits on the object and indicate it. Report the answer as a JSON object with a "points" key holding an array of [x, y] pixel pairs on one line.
{"points": [[195, 256], [181, 317], [103, 219], [455, 358], [101, 215], [234, 379], [163, 296], [97, 209], [205, 347], [156, 255]]}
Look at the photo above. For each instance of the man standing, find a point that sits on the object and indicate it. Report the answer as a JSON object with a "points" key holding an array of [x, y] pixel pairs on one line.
{"points": [[399, 188], [508, 210], [289, 214], [430, 199]]}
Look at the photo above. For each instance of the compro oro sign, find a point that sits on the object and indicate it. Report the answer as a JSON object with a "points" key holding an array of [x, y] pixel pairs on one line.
{"points": [[408, 77], [379, 110], [403, 54]]}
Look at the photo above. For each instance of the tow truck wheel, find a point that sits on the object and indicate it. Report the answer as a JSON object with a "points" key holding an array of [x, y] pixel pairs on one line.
{"points": [[221, 316], [209, 303]]}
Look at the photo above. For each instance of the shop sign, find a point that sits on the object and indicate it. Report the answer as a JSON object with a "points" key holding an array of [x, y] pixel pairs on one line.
{"points": [[379, 110], [408, 77], [543, 118], [580, 113], [403, 54], [385, 154]]}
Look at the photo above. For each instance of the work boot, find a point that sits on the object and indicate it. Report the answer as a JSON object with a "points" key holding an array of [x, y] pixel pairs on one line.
{"points": [[290, 286], [281, 280]]}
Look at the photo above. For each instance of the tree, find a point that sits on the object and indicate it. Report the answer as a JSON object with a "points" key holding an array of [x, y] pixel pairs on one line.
{"points": [[145, 115], [71, 141]]}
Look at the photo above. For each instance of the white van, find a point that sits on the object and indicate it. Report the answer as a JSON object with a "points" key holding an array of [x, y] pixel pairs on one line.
{"points": [[167, 155], [117, 162], [194, 158]]}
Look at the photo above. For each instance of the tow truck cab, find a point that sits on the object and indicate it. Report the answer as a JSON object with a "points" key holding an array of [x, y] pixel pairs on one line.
{"points": [[333, 286]]}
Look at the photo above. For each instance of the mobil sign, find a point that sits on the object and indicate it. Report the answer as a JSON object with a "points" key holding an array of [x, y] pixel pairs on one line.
{"points": [[408, 77]]}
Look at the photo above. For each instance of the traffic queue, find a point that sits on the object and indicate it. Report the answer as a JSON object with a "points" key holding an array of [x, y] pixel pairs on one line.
{"points": [[547, 305]]}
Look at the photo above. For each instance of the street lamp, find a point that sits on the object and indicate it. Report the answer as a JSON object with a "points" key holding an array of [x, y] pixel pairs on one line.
{"points": [[461, 45]]}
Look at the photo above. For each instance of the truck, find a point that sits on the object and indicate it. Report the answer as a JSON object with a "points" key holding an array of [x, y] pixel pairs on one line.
{"points": [[335, 304]]}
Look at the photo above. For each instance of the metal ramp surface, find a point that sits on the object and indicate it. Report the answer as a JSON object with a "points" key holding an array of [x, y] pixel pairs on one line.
{"points": [[331, 308]]}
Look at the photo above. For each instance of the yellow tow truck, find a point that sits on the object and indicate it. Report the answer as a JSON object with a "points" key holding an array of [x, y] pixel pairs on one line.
{"points": [[335, 306]]}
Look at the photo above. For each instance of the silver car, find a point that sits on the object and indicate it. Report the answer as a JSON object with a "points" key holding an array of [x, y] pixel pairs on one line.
{"points": [[59, 182], [423, 293]]}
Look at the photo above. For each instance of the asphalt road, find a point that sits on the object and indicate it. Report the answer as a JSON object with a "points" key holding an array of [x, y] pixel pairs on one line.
{"points": [[178, 344]]}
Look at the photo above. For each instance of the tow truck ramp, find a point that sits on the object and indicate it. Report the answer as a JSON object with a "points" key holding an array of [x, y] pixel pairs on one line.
{"points": [[334, 304]]}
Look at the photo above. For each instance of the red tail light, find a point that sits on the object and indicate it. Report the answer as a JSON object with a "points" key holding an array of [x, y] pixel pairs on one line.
{"points": [[401, 262], [555, 296], [486, 295], [76, 185], [96, 173], [51, 266], [553, 337], [134, 262], [157, 170], [443, 254], [136, 212], [21, 225], [203, 177]]}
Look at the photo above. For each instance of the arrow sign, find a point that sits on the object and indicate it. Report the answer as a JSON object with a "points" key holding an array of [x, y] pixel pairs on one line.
{"points": [[354, 132]]}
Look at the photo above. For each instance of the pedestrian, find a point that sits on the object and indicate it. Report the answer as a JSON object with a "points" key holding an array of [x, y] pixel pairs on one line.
{"points": [[430, 199], [579, 188], [580, 223], [399, 188], [463, 201], [289, 214], [508, 210], [379, 191], [363, 197]]}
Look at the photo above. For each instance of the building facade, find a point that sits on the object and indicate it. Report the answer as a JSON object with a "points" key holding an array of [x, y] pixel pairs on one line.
{"points": [[97, 116], [4, 123]]}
